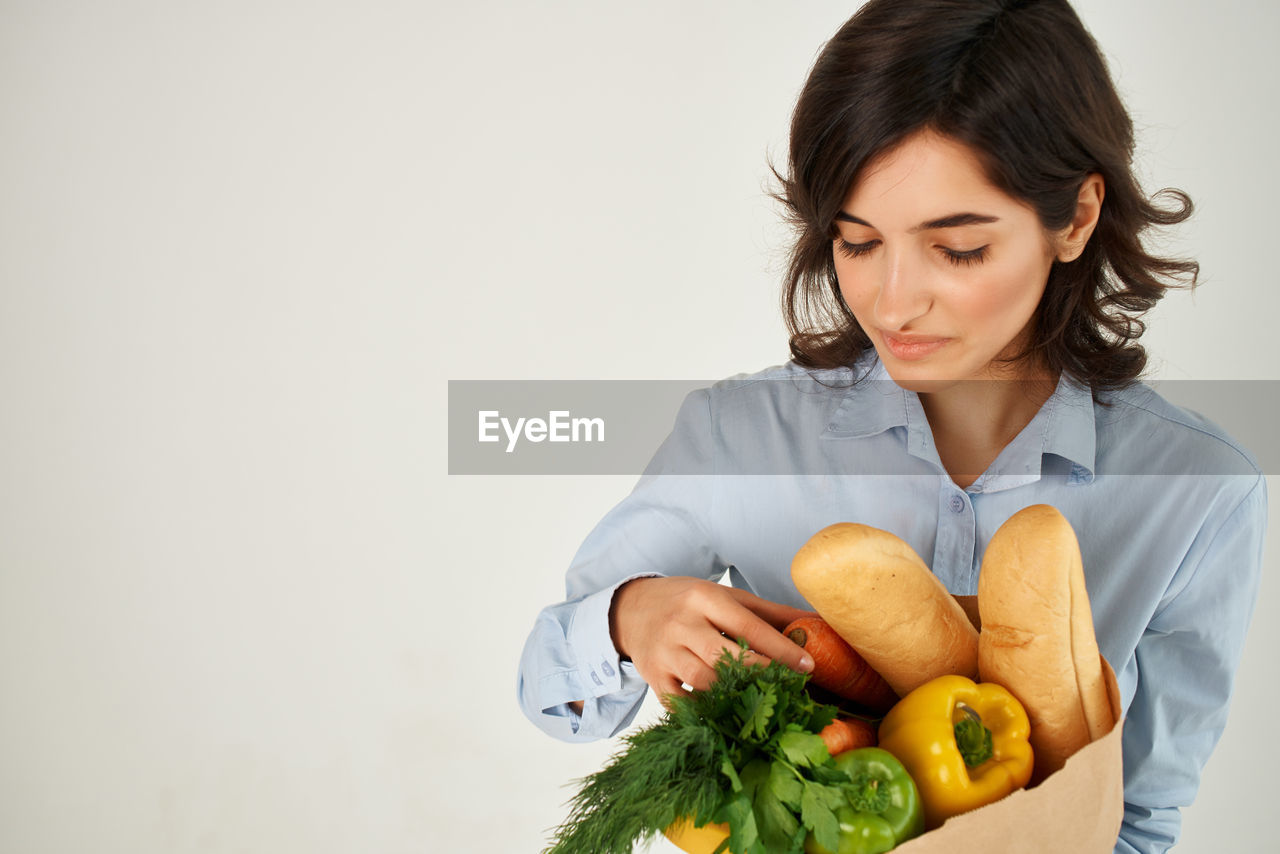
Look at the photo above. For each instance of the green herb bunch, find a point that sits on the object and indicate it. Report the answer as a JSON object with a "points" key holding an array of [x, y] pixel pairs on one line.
{"points": [[744, 752]]}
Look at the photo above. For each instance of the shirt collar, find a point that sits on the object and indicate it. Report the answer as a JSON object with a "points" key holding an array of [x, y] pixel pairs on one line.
{"points": [[1060, 439], [875, 404], [1064, 427], [1071, 432]]}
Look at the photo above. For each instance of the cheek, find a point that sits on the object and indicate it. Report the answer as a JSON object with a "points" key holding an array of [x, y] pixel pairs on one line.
{"points": [[856, 290], [1008, 296]]}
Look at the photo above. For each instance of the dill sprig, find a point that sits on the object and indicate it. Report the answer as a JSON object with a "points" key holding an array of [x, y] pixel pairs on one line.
{"points": [[744, 752]]}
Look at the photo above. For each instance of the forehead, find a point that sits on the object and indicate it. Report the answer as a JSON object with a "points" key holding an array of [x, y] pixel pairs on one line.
{"points": [[925, 176]]}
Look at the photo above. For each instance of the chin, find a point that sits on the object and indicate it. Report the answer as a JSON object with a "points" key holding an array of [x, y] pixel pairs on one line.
{"points": [[930, 379], [922, 376], [922, 384]]}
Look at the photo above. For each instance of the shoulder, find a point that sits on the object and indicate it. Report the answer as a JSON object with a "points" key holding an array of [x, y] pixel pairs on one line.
{"points": [[792, 382], [1159, 437], [788, 373], [764, 421], [788, 396]]}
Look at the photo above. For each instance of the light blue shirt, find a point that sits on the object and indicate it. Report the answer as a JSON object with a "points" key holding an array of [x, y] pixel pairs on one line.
{"points": [[1169, 511]]}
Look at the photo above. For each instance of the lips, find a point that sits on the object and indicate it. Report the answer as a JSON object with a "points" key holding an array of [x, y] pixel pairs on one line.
{"points": [[912, 347]]}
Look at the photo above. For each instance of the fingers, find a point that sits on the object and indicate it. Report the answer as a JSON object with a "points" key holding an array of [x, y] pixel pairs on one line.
{"points": [[694, 672], [666, 689], [688, 669], [675, 630], [774, 613], [714, 646], [760, 633]]}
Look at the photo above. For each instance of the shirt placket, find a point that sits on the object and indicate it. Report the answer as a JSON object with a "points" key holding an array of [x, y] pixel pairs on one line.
{"points": [[954, 545]]}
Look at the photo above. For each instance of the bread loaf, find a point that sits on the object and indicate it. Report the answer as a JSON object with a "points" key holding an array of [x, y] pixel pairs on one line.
{"points": [[877, 593], [1037, 636]]}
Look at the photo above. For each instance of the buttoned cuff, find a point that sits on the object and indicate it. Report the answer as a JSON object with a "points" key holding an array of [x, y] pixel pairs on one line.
{"points": [[599, 668]]}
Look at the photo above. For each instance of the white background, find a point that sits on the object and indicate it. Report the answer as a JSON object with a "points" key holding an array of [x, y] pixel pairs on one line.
{"points": [[243, 246]]}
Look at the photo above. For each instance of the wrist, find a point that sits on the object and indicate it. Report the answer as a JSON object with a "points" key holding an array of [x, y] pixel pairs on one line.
{"points": [[620, 610], [614, 634]]}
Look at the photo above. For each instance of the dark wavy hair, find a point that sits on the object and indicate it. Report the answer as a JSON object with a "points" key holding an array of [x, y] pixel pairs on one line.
{"points": [[1023, 84]]}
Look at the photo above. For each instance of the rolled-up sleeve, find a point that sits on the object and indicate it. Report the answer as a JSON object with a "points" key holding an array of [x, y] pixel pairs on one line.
{"points": [[1186, 661], [660, 528]]}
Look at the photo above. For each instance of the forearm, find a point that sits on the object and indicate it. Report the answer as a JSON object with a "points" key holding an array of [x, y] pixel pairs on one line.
{"points": [[572, 682], [1185, 665]]}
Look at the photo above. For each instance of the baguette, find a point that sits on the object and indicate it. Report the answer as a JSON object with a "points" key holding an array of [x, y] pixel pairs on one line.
{"points": [[1037, 635], [877, 593]]}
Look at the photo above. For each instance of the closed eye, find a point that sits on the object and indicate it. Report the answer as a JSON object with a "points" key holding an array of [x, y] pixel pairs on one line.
{"points": [[967, 257], [856, 250]]}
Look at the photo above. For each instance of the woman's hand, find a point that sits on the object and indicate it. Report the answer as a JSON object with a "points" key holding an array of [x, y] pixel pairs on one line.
{"points": [[674, 629]]}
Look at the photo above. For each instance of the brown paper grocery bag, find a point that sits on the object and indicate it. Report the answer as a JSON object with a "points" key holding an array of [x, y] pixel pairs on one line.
{"points": [[1077, 810]]}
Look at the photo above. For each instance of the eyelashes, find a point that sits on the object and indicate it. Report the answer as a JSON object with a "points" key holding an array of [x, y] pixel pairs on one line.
{"points": [[956, 257], [854, 250], [967, 258]]}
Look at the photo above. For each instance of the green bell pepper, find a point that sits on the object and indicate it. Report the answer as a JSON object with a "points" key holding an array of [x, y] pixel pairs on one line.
{"points": [[884, 805]]}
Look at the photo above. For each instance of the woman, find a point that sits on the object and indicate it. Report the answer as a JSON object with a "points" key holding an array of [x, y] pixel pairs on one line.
{"points": [[963, 298]]}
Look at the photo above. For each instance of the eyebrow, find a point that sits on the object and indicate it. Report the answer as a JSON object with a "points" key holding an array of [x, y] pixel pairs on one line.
{"points": [[949, 221]]}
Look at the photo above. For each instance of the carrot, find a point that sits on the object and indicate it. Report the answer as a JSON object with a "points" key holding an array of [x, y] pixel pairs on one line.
{"points": [[838, 667], [848, 733]]}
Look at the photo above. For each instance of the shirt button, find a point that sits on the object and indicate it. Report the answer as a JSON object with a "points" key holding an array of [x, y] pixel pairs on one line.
{"points": [[957, 504]]}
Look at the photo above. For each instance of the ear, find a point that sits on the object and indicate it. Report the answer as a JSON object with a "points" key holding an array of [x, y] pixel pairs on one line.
{"points": [[1072, 239]]}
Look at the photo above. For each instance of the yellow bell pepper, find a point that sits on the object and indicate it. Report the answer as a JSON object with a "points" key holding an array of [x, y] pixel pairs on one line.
{"points": [[964, 744]]}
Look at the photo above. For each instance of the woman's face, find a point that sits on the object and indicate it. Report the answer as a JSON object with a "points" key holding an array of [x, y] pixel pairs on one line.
{"points": [[942, 270]]}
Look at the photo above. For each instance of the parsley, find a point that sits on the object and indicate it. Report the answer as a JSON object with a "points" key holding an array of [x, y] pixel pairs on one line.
{"points": [[744, 752]]}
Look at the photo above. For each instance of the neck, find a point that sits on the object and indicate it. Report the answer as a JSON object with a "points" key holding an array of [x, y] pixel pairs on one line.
{"points": [[972, 421]]}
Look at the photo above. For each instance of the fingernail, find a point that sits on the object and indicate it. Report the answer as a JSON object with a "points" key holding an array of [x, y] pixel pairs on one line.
{"points": [[806, 664]]}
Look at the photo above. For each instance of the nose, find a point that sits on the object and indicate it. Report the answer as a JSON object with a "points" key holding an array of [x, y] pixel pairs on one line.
{"points": [[904, 294]]}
